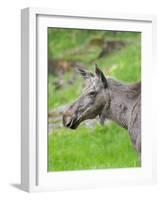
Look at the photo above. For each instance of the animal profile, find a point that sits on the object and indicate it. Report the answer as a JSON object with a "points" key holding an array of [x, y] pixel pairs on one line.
{"points": [[108, 99]]}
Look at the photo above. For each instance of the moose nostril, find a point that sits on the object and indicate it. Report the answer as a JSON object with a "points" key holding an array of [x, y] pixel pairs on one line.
{"points": [[68, 125], [66, 121]]}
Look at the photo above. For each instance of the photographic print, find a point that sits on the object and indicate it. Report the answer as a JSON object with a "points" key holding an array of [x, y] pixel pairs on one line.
{"points": [[87, 99], [94, 99]]}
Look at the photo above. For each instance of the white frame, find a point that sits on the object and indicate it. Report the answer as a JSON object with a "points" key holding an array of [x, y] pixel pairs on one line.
{"points": [[33, 143]]}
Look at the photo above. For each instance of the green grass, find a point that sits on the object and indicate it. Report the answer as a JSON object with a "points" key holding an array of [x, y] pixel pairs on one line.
{"points": [[99, 147], [96, 148]]}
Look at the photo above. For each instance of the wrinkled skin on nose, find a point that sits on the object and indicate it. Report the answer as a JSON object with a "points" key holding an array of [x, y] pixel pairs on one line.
{"points": [[70, 117]]}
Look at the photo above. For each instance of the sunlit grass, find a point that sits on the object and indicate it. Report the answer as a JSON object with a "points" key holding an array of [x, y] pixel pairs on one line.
{"points": [[95, 148]]}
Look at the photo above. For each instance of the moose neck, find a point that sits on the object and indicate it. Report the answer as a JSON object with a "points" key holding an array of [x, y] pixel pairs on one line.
{"points": [[121, 103]]}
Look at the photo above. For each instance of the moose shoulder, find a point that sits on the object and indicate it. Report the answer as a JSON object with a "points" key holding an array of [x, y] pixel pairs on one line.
{"points": [[108, 99]]}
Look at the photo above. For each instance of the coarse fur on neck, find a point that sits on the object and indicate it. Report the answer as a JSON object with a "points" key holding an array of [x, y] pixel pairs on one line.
{"points": [[122, 99]]}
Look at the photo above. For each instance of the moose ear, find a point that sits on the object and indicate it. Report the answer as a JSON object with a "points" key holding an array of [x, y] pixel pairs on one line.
{"points": [[101, 76], [84, 73]]}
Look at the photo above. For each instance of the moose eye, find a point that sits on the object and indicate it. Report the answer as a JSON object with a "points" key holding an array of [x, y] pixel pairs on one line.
{"points": [[93, 93]]}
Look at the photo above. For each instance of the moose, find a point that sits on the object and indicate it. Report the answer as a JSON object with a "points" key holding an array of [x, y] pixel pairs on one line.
{"points": [[108, 99]]}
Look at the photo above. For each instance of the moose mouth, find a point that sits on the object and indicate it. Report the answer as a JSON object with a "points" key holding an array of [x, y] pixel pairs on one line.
{"points": [[73, 124]]}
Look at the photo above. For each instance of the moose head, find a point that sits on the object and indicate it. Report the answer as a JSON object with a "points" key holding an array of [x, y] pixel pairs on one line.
{"points": [[92, 101]]}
